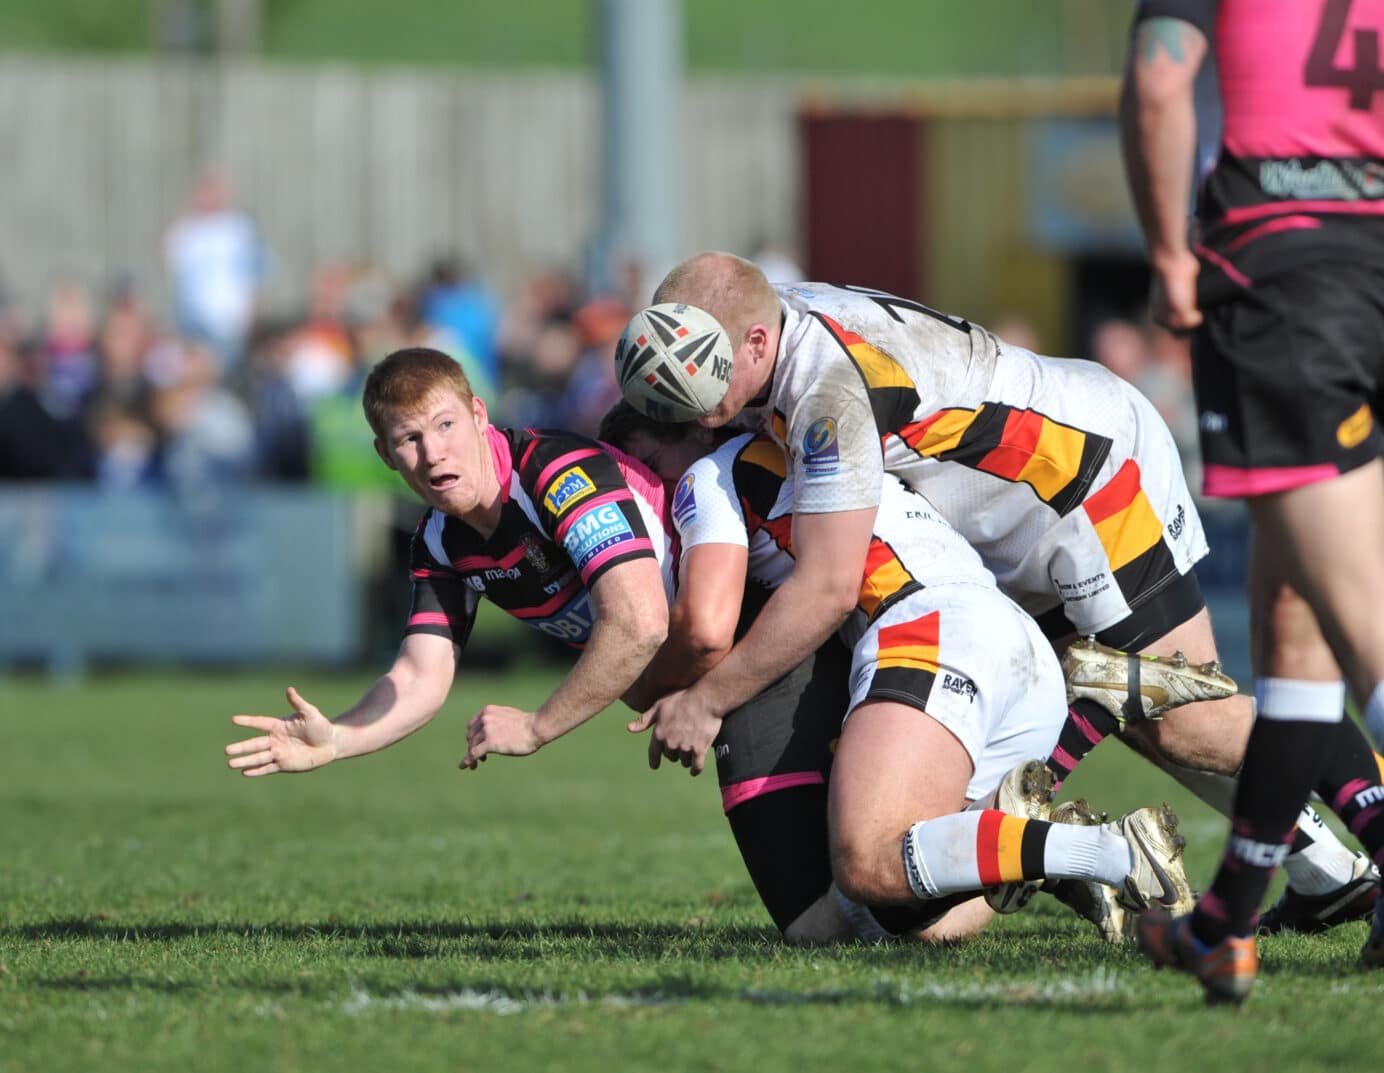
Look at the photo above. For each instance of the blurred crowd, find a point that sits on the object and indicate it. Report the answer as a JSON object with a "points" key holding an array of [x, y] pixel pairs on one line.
{"points": [[98, 388]]}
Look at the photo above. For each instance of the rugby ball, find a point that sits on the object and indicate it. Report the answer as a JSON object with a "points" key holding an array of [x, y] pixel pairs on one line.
{"points": [[673, 362]]}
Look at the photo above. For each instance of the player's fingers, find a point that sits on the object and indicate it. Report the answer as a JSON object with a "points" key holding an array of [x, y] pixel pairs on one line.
{"points": [[642, 723], [655, 754], [698, 764], [253, 760], [249, 745], [257, 722], [296, 701], [268, 769]]}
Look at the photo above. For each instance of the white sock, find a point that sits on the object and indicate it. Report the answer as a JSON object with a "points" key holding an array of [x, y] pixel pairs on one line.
{"points": [[1099, 853], [1325, 865], [1374, 715]]}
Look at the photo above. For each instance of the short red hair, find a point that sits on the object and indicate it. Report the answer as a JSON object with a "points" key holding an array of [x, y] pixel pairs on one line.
{"points": [[404, 381]]}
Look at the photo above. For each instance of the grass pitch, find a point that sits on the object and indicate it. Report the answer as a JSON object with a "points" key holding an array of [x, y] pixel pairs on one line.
{"points": [[570, 911]]}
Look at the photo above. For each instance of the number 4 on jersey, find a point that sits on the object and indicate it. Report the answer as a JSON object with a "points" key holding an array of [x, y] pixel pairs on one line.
{"points": [[1365, 78]]}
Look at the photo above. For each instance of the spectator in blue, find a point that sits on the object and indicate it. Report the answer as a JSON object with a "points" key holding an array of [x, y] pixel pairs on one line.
{"points": [[456, 301], [215, 263]]}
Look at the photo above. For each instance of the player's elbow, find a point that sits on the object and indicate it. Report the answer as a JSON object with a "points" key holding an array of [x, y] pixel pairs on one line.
{"points": [[708, 643], [837, 595], [646, 628], [1153, 88], [705, 635]]}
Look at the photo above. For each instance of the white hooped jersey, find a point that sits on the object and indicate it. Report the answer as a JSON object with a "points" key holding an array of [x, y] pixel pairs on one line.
{"points": [[1013, 449], [741, 494]]}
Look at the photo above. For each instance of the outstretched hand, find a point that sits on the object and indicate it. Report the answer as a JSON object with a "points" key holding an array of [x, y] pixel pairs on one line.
{"points": [[298, 742]]}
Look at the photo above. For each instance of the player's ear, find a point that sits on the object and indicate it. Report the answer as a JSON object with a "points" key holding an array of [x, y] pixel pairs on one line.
{"points": [[480, 413], [383, 452], [757, 338]]}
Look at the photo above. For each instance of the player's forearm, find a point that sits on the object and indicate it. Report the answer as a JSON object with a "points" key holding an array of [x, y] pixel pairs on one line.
{"points": [[798, 618], [684, 657], [617, 653], [393, 708], [1158, 131]]}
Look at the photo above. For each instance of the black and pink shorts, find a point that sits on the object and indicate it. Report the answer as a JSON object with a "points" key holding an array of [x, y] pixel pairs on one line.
{"points": [[1289, 377]]}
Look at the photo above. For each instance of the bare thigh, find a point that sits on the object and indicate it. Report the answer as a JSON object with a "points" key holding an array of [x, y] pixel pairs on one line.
{"points": [[895, 766]]}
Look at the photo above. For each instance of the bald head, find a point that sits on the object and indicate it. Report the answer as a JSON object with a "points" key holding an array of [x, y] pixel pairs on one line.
{"points": [[730, 288]]}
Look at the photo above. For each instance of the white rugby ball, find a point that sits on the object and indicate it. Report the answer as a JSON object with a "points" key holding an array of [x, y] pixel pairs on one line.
{"points": [[673, 362]]}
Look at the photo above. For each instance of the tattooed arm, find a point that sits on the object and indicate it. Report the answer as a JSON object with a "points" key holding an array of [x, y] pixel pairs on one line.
{"points": [[1158, 133]]}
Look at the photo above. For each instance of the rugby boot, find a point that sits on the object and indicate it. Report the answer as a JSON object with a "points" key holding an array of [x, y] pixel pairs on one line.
{"points": [[1158, 877], [1226, 971], [1372, 955], [1088, 898], [1026, 791], [1308, 914], [1133, 687]]}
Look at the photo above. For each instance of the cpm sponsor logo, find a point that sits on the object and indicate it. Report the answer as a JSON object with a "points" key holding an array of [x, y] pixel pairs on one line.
{"points": [[596, 531], [1371, 795], [570, 486], [821, 452]]}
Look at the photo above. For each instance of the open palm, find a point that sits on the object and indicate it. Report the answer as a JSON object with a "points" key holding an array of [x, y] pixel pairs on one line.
{"points": [[299, 742]]}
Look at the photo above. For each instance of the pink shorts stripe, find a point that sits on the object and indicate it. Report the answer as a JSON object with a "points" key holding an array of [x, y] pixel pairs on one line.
{"points": [[1278, 208], [429, 618], [1224, 265], [1066, 759], [1270, 227], [737, 793], [1231, 481]]}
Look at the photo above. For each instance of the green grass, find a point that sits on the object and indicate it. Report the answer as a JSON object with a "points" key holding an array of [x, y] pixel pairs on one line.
{"points": [[896, 38], [572, 911]]}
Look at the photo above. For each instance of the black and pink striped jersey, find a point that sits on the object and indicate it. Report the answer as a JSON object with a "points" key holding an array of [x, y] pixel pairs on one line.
{"points": [[1300, 175], [571, 509]]}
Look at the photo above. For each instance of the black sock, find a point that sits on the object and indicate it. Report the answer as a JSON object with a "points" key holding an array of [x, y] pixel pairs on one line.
{"points": [[1350, 783], [902, 919], [1281, 765], [783, 840], [1087, 725]]}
